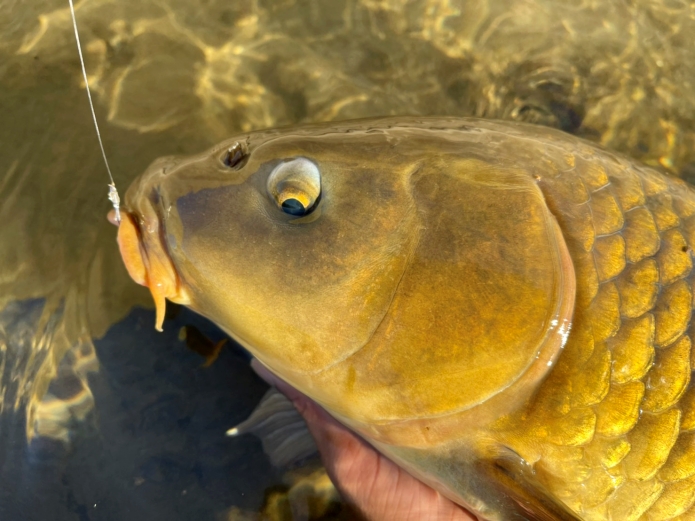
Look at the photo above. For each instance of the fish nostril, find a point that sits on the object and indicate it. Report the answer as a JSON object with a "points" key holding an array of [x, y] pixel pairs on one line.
{"points": [[235, 157]]}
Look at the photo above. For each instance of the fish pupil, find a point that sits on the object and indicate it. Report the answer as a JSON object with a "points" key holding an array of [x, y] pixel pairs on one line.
{"points": [[293, 207]]}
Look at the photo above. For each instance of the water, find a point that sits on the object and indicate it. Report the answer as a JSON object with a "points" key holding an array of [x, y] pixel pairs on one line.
{"points": [[151, 444], [174, 77]]}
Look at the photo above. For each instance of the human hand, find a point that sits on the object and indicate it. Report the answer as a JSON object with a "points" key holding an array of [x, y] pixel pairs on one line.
{"points": [[379, 488]]}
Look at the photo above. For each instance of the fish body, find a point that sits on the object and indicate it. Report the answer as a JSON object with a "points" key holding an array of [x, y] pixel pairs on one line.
{"points": [[504, 310]]}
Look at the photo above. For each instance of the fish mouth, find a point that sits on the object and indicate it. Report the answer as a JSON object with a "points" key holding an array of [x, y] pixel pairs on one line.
{"points": [[143, 246]]}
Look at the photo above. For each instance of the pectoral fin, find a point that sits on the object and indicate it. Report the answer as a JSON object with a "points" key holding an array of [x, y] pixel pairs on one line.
{"points": [[515, 479], [283, 432]]}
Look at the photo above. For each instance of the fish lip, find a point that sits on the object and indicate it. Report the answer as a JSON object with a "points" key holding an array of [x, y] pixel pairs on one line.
{"points": [[146, 226]]}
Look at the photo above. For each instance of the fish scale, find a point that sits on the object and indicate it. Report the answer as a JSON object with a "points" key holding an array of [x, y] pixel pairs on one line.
{"points": [[610, 429]]}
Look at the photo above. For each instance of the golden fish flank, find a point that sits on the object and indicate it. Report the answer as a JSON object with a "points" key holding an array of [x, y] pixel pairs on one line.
{"points": [[419, 279]]}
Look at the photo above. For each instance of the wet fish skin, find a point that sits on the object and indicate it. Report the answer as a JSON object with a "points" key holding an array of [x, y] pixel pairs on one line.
{"points": [[616, 413], [490, 239]]}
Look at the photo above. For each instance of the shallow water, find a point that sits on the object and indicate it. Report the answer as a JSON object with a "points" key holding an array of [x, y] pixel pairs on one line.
{"points": [[154, 446], [174, 77]]}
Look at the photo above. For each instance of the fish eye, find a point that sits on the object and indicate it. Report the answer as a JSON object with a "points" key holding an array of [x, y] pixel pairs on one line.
{"points": [[235, 156], [295, 186]]}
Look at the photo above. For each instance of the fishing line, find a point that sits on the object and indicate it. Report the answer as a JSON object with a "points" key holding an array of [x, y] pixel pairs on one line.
{"points": [[113, 193]]}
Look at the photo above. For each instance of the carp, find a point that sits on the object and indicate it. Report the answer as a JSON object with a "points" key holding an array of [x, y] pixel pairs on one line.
{"points": [[502, 309]]}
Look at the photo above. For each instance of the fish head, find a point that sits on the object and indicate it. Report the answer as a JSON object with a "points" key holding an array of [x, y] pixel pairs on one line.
{"points": [[296, 249], [393, 274]]}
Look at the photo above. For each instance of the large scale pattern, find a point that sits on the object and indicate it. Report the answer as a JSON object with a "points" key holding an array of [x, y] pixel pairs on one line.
{"points": [[612, 430]]}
